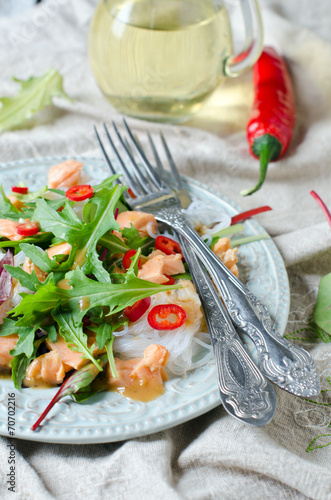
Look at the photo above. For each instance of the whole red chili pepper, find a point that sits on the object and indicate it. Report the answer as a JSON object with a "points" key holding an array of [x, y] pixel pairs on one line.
{"points": [[269, 130]]}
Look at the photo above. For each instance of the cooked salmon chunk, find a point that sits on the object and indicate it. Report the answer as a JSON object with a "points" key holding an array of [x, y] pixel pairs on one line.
{"points": [[15, 201], [227, 254], [47, 368], [159, 265], [28, 267], [139, 220], [6, 345], [141, 378], [60, 249], [8, 229], [72, 359], [66, 174]]}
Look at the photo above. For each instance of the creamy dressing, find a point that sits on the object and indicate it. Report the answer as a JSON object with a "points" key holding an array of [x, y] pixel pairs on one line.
{"points": [[84, 303], [64, 284]]}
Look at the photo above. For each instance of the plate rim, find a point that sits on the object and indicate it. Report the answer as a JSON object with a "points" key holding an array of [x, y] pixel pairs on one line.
{"points": [[189, 410]]}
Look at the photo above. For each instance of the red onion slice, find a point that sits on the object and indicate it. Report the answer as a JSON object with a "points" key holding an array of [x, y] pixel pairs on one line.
{"points": [[5, 278]]}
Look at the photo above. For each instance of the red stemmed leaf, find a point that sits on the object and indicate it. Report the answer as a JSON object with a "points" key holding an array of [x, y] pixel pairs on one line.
{"points": [[322, 205], [79, 379]]}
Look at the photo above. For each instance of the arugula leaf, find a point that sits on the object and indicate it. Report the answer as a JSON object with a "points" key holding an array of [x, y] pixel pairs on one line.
{"points": [[20, 363], [83, 237], [25, 333], [113, 243], [73, 334], [31, 195], [35, 308], [7, 209], [29, 281], [322, 313], [51, 332], [135, 241], [34, 95], [105, 338], [44, 262], [41, 240]]}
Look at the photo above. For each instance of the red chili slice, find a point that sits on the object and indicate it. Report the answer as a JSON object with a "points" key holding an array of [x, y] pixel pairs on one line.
{"points": [[167, 245], [246, 215], [27, 229], [127, 259], [131, 193], [170, 281], [19, 189], [163, 311], [135, 312], [80, 193]]}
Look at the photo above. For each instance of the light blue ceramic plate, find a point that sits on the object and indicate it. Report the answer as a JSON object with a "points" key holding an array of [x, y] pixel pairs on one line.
{"points": [[111, 417]]}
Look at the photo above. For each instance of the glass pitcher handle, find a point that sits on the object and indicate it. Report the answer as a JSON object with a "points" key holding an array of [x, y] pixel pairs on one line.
{"points": [[234, 65]]}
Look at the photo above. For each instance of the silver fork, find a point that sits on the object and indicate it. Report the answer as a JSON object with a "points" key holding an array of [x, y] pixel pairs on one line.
{"points": [[287, 365]]}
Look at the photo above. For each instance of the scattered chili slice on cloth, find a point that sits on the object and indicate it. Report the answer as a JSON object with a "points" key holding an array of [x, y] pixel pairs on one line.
{"points": [[27, 229], [167, 245], [165, 313], [269, 130], [127, 259], [80, 192], [19, 189], [135, 312]]}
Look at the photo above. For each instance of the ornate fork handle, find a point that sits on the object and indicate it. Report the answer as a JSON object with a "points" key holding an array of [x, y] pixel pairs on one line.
{"points": [[244, 391], [285, 364]]}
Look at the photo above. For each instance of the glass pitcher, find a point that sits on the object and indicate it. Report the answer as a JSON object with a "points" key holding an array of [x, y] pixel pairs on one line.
{"points": [[160, 59]]}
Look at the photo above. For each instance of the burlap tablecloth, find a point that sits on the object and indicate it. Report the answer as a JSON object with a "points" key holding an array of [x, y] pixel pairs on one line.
{"points": [[213, 456]]}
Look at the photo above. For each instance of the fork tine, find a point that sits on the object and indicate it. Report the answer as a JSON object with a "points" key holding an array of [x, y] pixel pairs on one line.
{"points": [[160, 168], [150, 170], [172, 164], [130, 180], [140, 177]]}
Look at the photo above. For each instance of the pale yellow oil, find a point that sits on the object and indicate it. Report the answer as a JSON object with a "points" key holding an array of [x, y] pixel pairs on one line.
{"points": [[159, 59]]}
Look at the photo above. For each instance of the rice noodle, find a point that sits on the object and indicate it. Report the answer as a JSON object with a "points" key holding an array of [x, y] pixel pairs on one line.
{"points": [[184, 343], [207, 238], [149, 228]]}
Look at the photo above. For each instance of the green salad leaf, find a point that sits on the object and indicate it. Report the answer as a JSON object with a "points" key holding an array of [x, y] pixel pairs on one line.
{"points": [[35, 308], [82, 236], [322, 313], [35, 94], [73, 334], [20, 363]]}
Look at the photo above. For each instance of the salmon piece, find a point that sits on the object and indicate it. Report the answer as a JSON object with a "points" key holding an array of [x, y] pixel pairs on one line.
{"points": [[8, 229], [159, 265], [28, 267], [15, 201], [60, 249], [140, 220], [47, 368], [66, 174], [6, 344], [227, 254], [72, 359], [154, 361], [141, 378]]}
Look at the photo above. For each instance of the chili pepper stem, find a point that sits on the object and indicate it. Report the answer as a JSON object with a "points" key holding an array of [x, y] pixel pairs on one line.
{"points": [[266, 148]]}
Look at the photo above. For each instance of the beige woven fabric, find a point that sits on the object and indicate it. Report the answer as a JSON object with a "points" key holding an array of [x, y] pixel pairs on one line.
{"points": [[213, 456]]}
